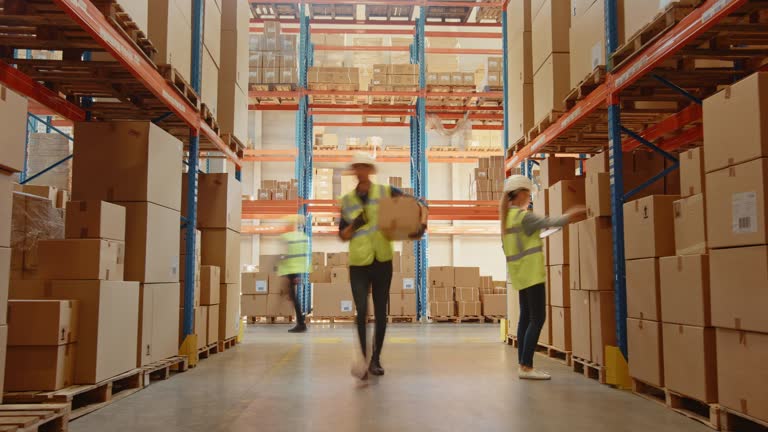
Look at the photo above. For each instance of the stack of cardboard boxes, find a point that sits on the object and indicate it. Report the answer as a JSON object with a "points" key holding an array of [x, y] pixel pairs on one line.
{"points": [[233, 77], [462, 292], [493, 295], [550, 56], [520, 69], [33, 219], [265, 293], [273, 57], [587, 34], [402, 291], [54, 345], [331, 292], [394, 77], [139, 176], [453, 79], [278, 190], [489, 178], [494, 79], [207, 314], [334, 77]]}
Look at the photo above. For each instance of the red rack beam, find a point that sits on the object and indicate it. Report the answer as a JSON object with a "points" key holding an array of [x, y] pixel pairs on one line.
{"points": [[271, 107], [691, 114], [361, 48], [357, 22], [21, 83], [343, 124], [467, 51], [361, 113]]}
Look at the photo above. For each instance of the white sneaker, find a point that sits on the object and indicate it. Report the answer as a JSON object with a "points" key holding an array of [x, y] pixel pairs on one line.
{"points": [[359, 370], [533, 374]]}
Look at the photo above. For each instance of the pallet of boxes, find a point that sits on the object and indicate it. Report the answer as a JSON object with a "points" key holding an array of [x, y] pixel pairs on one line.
{"points": [[273, 59], [265, 293], [331, 291], [489, 178], [219, 215], [454, 294], [402, 291], [493, 296]]}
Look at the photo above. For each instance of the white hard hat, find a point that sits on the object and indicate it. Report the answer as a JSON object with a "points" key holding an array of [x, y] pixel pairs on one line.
{"points": [[363, 158], [517, 182]]}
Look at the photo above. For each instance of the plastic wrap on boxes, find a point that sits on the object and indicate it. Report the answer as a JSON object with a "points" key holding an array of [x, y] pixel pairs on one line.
{"points": [[33, 219]]}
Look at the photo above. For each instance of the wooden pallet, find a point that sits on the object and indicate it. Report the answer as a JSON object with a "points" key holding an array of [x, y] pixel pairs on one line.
{"points": [[85, 399], [543, 124], [207, 115], [557, 354], [233, 143], [402, 319], [338, 320], [589, 369], [161, 370], [443, 148], [494, 318], [705, 413], [227, 344], [586, 86], [650, 33], [34, 418], [207, 351], [174, 78], [734, 421], [270, 320], [488, 13], [649, 391]]}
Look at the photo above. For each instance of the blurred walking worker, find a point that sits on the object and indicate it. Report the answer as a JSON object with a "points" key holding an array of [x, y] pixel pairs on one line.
{"points": [[295, 265], [523, 247], [370, 258]]}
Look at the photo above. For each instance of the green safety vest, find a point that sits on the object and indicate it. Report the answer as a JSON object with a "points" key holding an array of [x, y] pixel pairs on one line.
{"points": [[525, 253], [296, 260], [367, 243]]}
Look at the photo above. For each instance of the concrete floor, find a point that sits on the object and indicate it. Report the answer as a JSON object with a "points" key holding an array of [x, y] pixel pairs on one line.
{"points": [[440, 377]]}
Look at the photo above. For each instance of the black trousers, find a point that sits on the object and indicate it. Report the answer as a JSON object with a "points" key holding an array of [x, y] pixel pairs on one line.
{"points": [[533, 313], [293, 288], [378, 277]]}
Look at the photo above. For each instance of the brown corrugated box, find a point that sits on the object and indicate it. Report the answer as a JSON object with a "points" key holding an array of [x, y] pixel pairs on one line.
{"points": [[558, 250], [690, 225], [229, 310], [219, 201], [690, 361], [560, 319], [253, 305], [140, 166], [470, 308], [741, 372], [209, 285], [402, 304], [738, 281], [270, 263], [6, 209], [441, 294], [692, 172], [580, 325], [645, 341], [559, 286], [596, 254], [555, 169], [81, 259], [152, 237], [337, 259], [42, 322], [467, 294], [255, 283], [685, 294], [332, 301], [340, 275], [441, 276], [495, 304], [442, 308], [551, 85], [158, 322], [739, 110], [566, 194], [643, 290], [549, 30], [212, 333], [399, 218], [603, 323], [545, 337], [94, 219], [574, 268], [598, 194], [13, 109], [649, 227], [736, 213], [39, 368], [221, 247], [466, 276]]}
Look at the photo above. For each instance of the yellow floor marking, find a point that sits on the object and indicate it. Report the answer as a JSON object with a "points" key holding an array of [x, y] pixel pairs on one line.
{"points": [[476, 340], [285, 359], [402, 340], [327, 340]]}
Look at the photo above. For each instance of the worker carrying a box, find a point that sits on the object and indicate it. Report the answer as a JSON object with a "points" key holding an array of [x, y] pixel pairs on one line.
{"points": [[522, 242], [370, 257], [295, 266]]}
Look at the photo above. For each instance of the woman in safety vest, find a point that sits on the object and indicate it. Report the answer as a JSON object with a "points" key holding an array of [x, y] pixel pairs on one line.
{"points": [[295, 265], [370, 257], [523, 248]]}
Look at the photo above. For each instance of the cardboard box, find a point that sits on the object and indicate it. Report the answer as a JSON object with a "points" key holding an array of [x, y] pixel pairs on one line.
{"points": [[738, 281], [254, 305], [466, 276], [254, 283], [467, 294], [690, 226], [494, 304], [444, 294], [559, 286], [548, 28], [221, 247], [580, 325], [685, 294], [739, 110], [340, 275], [690, 361], [692, 172], [212, 332], [471, 308], [560, 319], [551, 85], [320, 275], [558, 250], [152, 237], [229, 310], [337, 259], [645, 341], [566, 194], [219, 201], [603, 323], [6, 209], [39, 368], [209, 285], [42, 322], [643, 290], [400, 217], [598, 194], [333, 301], [94, 220], [13, 108], [552, 170], [442, 308], [5, 276], [270, 263], [441, 276], [598, 163], [596, 254], [741, 372], [170, 30], [158, 323], [140, 166], [402, 304], [108, 324], [81, 259], [649, 227], [736, 217], [574, 266]]}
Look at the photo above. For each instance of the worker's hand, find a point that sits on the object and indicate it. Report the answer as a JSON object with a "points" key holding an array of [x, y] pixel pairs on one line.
{"points": [[576, 210], [359, 221]]}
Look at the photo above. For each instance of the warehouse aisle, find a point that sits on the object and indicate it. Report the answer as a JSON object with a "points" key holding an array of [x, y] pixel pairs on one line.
{"points": [[439, 377]]}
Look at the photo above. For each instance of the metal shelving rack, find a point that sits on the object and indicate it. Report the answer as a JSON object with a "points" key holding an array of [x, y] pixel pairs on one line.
{"points": [[602, 110], [418, 156], [95, 30]]}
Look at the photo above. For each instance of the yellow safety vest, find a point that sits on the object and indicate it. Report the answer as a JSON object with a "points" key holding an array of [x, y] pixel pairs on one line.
{"points": [[367, 243], [296, 260], [525, 253]]}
